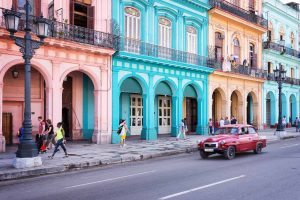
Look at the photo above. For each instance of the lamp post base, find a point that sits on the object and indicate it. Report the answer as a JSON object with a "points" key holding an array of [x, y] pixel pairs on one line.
{"points": [[280, 134], [21, 163]]}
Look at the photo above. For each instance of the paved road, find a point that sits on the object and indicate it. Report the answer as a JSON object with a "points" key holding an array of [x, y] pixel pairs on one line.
{"points": [[275, 174]]}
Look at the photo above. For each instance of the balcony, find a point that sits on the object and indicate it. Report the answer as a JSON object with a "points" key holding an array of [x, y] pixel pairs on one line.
{"points": [[141, 48], [70, 32], [278, 47], [239, 12], [288, 80], [228, 67]]}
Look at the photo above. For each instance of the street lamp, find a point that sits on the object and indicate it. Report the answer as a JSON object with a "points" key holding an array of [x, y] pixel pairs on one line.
{"points": [[279, 77], [26, 155]]}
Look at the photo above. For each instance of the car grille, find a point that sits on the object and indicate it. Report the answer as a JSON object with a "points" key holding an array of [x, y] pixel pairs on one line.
{"points": [[210, 145]]}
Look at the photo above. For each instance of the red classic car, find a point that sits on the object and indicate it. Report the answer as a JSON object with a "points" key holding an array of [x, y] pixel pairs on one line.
{"points": [[232, 139]]}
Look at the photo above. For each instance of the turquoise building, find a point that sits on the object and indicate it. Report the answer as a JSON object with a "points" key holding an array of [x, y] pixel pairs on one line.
{"points": [[160, 73], [281, 46]]}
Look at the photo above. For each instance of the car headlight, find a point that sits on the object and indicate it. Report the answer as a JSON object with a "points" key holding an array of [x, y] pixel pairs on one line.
{"points": [[222, 142]]}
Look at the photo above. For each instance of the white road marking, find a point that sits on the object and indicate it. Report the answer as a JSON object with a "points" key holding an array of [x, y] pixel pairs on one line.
{"points": [[289, 146], [200, 188], [111, 179]]}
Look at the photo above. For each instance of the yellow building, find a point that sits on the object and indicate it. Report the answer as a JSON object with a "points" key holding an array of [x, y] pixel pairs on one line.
{"points": [[235, 88]]}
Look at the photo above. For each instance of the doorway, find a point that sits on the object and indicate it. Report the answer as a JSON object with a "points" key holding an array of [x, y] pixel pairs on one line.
{"points": [[164, 114], [67, 107], [191, 114], [7, 129]]}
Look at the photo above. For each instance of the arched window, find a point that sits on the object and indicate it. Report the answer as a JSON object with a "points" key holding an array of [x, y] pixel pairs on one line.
{"points": [[270, 32], [165, 32], [132, 23], [219, 46], [292, 40], [236, 50], [252, 55], [252, 5], [281, 33], [192, 40]]}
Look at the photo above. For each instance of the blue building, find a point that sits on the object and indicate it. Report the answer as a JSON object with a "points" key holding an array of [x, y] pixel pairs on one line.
{"points": [[160, 73], [281, 47]]}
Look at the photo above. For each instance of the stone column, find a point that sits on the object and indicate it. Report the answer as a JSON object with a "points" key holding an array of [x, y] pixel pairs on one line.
{"points": [[97, 112], [49, 102], [2, 138], [56, 94], [175, 115], [242, 112], [199, 130], [224, 106]]}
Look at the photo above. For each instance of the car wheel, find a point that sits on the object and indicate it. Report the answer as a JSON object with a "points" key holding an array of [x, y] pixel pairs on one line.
{"points": [[230, 153], [258, 148], [203, 154]]}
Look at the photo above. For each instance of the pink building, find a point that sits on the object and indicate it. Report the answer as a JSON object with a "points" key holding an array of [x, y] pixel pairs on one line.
{"points": [[71, 73]]}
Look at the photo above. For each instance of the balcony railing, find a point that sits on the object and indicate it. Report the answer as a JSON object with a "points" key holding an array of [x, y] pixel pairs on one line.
{"points": [[240, 12], [141, 48], [278, 47], [71, 32], [288, 80], [240, 69]]}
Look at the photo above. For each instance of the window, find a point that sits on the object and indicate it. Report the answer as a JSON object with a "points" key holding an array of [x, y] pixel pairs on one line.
{"points": [[82, 13], [219, 46], [292, 40], [281, 33], [292, 73], [270, 68], [270, 32], [132, 23], [51, 11], [251, 130], [165, 32], [35, 5], [192, 42], [252, 55], [236, 50], [252, 5]]}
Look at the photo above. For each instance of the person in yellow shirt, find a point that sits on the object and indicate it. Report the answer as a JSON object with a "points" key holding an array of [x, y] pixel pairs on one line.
{"points": [[60, 138]]}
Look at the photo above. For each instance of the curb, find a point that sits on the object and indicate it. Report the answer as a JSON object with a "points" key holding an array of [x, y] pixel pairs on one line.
{"points": [[47, 170]]}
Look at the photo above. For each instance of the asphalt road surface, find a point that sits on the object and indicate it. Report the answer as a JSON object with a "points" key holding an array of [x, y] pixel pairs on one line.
{"points": [[272, 175]]}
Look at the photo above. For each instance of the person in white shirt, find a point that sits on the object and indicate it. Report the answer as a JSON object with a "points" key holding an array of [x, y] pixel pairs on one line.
{"points": [[222, 122], [182, 130]]}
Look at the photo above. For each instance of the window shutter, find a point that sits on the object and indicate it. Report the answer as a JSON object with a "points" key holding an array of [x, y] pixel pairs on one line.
{"points": [[90, 17], [37, 8], [255, 61], [71, 20]]}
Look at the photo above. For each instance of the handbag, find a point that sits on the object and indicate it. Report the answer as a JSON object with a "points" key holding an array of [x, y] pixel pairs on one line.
{"points": [[120, 130]]}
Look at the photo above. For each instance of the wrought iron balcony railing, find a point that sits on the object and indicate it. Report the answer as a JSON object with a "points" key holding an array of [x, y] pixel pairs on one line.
{"points": [[279, 48], [288, 80], [240, 12], [142, 48], [71, 32], [240, 69]]}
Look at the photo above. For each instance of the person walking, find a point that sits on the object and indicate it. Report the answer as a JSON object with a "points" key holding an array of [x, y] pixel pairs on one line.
{"points": [[226, 122], [40, 136], [182, 130], [20, 133], [123, 129], [210, 125], [297, 124], [222, 122], [233, 120], [284, 121], [50, 135], [60, 138]]}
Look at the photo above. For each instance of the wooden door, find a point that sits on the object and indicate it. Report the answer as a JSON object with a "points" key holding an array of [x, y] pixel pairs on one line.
{"points": [[191, 114], [7, 128]]}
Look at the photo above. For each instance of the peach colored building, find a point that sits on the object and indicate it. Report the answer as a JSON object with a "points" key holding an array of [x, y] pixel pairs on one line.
{"points": [[71, 73]]}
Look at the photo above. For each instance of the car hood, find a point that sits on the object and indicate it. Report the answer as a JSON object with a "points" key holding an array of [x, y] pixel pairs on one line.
{"points": [[218, 138]]}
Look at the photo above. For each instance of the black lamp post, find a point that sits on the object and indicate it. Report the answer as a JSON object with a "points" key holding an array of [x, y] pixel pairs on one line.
{"points": [[26, 148], [280, 77]]}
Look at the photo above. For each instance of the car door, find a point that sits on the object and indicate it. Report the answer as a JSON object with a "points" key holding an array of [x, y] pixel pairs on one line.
{"points": [[254, 137], [244, 140]]}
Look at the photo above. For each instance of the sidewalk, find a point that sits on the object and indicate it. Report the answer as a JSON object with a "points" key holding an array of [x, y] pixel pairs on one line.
{"points": [[84, 155]]}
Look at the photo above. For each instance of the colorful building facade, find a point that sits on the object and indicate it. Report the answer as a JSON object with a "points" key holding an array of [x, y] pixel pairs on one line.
{"points": [[71, 72], [235, 42], [281, 44], [160, 74]]}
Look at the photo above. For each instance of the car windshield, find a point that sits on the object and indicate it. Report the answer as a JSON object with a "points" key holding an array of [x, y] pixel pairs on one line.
{"points": [[227, 130]]}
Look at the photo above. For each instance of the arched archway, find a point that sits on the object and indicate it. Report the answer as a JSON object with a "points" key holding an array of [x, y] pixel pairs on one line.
{"points": [[252, 109], [218, 106], [270, 109], [78, 105], [165, 107], [13, 100], [236, 108], [131, 104], [293, 108], [190, 107]]}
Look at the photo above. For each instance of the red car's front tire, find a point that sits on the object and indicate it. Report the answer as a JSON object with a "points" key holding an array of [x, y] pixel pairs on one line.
{"points": [[203, 154], [258, 148], [230, 153]]}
